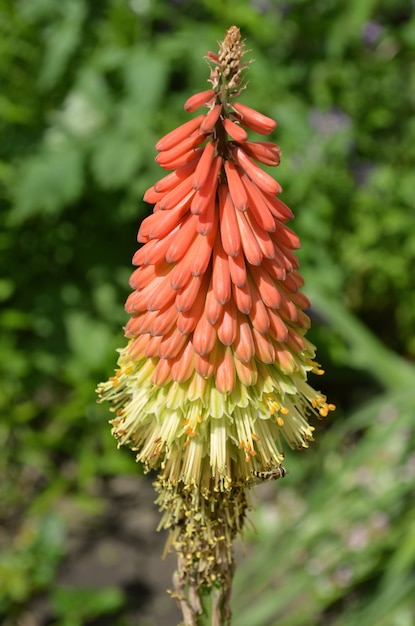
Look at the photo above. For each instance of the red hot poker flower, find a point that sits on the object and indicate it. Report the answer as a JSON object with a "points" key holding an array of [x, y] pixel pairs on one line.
{"points": [[213, 378]]}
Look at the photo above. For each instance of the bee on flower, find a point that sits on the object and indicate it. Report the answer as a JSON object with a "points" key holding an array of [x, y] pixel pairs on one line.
{"points": [[269, 474], [213, 378]]}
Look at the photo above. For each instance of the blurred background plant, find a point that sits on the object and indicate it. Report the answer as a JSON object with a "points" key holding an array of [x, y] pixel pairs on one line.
{"points": [[87, 89]]}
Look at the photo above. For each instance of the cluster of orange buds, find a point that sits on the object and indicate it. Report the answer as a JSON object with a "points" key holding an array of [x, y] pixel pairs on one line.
{"points": [[217, 328], [217, 287]]}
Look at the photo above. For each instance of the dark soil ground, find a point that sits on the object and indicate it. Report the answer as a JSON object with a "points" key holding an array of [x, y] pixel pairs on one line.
{"points": [[119, 547]]}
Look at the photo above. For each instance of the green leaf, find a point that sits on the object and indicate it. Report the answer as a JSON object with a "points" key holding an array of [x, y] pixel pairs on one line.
{"points": [[62, 39], [48, 181], [75, 606], [115, 159]]}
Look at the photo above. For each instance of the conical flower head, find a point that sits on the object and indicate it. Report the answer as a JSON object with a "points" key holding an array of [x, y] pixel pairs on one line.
{"points": [[213, 378]]}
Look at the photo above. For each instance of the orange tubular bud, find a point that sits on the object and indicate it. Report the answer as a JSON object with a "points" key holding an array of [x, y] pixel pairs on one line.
{"points": [[164, 322], [172, 344], [243, 346], [286, 236], [278, 329], [225, 372], [263, 238], [298, 279], [163, 296], [288, 310], [145, 322], [290, 284], [227, 328], [263, 180], [161, 374], [204, 194], [152, 196], [168, 182], [246, 372], [274, 269], [142, 276], [236, 187], [300, 300], [234, 130], [211, 118], [257, 205], [152, 347], [285, 258], [137, 301], [206, 221], [204, 165], [204, 365], [284, 360], [264, 347], [179, 134], [183, 239], [229, 230], [186, 321], [169, 156], [259, 317], [296, 342], [137, 347], [221, 278], [266, 286], [202, 252], [198, 100], [243, 298], [250, 246], [154, 251], [182, 367], [160, 224], [264, 152], [253, 119], [213, 310], [278, 208], [186, 296], [182, 160], [172, 198], [237, 270], [182, 272], [204, 337], [302, 320], [258, 313]]}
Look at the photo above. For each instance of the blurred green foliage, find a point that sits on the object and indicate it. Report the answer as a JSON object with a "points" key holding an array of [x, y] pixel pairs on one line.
{"points": [[87, 89]]}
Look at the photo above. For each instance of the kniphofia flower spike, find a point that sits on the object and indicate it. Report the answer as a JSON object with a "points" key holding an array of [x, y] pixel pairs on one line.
{"points": [[214, 377]]}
